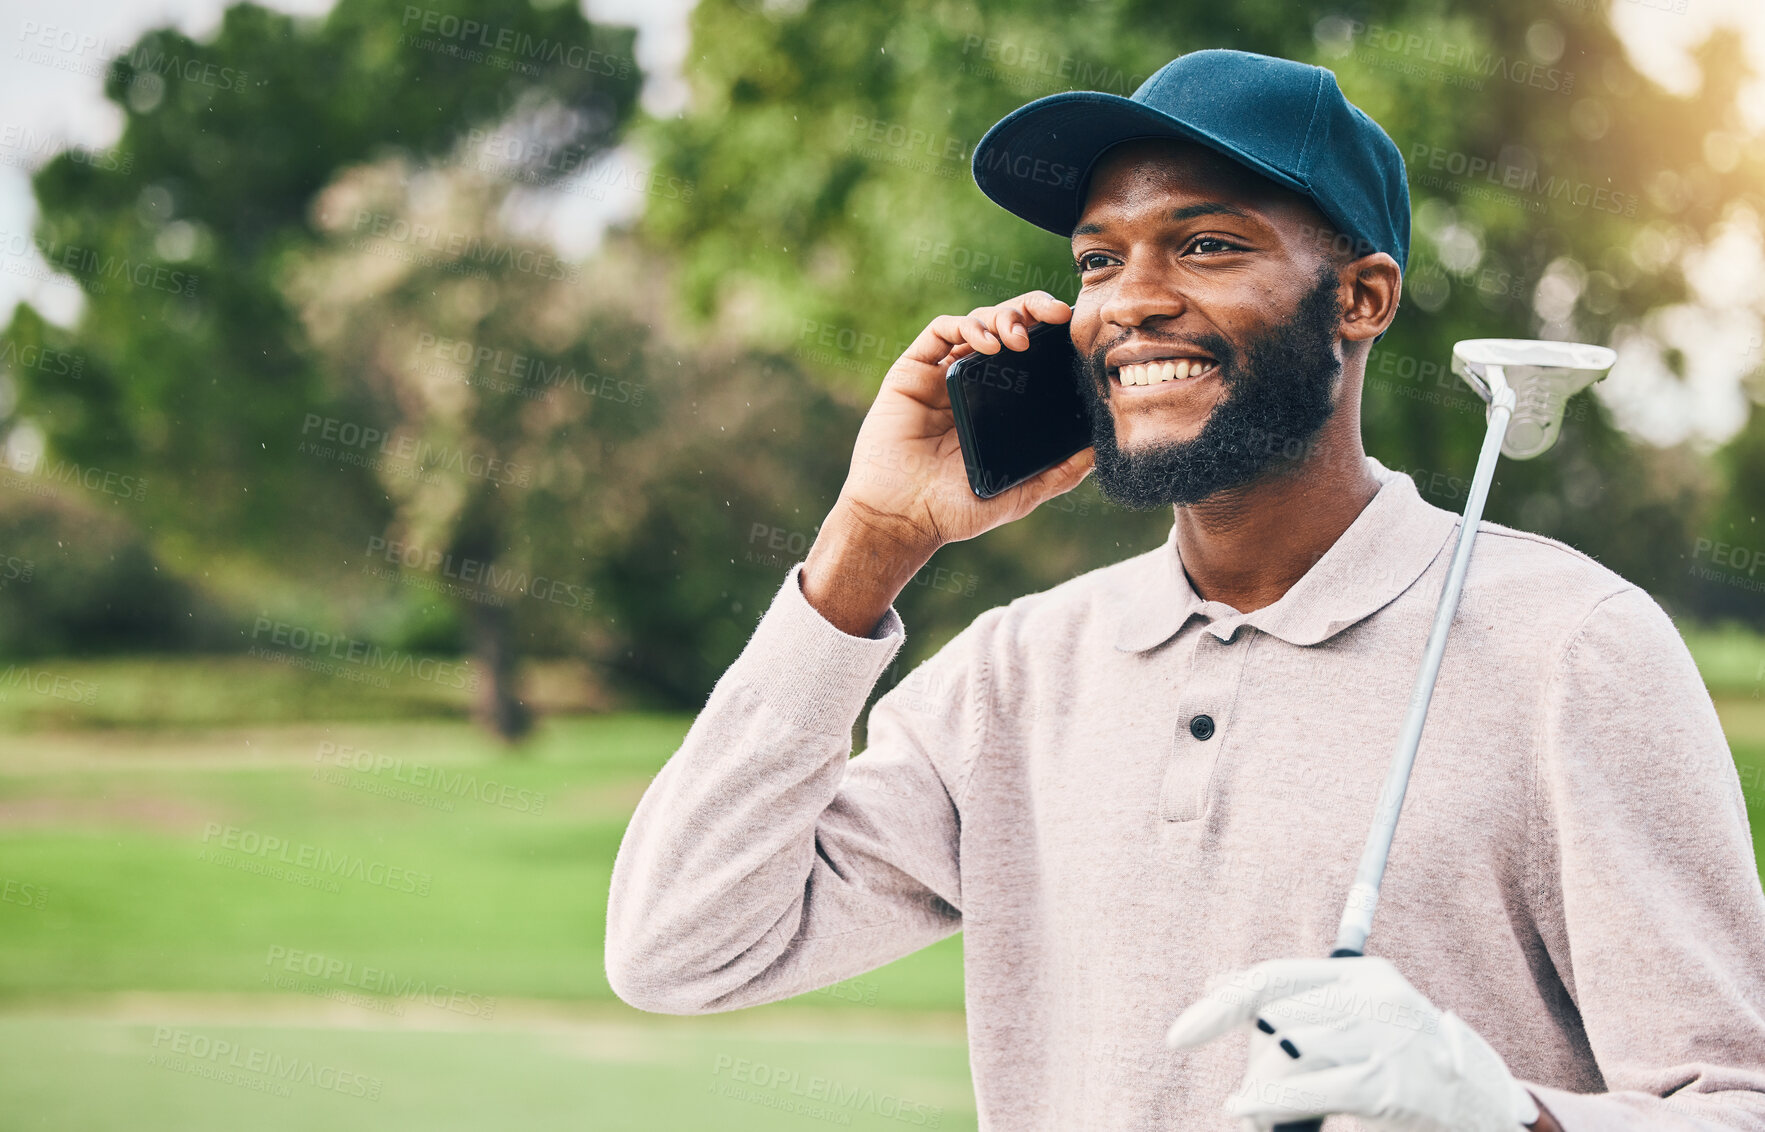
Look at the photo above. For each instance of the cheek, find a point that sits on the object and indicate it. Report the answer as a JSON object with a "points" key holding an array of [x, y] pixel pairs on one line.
{"points": [[1085, 325]]}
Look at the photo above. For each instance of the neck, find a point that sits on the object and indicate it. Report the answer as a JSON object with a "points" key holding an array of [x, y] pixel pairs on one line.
{"points": [[1248, 545]]}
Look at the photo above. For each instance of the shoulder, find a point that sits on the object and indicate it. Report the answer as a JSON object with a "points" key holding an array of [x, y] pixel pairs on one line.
{"points": [[1532, 579]]}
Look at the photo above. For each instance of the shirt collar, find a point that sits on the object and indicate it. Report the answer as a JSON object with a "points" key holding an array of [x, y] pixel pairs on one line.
{"points": [[1387, 547]]}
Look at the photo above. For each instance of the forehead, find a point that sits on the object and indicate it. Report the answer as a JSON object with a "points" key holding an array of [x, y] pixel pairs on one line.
{"points": [[1155, 173]]}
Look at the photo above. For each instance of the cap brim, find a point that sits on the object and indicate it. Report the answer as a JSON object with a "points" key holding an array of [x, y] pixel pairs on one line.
{"points": [[1035, 162]]}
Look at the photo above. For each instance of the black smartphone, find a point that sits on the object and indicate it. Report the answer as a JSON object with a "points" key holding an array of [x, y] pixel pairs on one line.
{"points": [[1018, 412]]}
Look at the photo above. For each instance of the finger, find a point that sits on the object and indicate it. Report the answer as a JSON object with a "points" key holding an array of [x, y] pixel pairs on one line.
{"points": [[1012, 327], [1234, 999], [1044, 307], [940, 337], [977, 331], [1061, 478], [1304, 1096]]}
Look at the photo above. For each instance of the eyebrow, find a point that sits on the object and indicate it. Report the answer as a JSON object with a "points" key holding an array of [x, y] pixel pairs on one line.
{"points": [[1187, 212]]}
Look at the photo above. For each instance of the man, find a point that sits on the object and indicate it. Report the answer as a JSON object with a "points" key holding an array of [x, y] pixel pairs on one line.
{"points": [[1164, 770]]}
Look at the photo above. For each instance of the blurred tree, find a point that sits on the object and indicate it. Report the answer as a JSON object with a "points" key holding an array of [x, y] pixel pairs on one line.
{"points": [[195, 372], [1552, 188]]}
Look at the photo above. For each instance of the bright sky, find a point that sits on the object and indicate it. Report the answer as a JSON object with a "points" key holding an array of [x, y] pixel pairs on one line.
{"points": [[1720, 333]]}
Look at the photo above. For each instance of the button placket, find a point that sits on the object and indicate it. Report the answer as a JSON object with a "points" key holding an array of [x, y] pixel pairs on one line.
{"points": [[1204, 713]]}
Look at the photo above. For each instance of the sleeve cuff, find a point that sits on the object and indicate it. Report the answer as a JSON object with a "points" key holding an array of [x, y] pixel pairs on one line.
{"points": [[807, 671]]}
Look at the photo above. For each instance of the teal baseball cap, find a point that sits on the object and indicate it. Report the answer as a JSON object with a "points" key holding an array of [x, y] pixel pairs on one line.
{"points": [[1286, 120]]}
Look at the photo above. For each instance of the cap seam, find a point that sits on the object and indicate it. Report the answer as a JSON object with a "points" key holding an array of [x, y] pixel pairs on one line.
{"points": [[1317, 97]]}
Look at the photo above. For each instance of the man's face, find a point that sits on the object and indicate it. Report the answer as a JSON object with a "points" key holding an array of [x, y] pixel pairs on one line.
{"points": [[1191, 264]]}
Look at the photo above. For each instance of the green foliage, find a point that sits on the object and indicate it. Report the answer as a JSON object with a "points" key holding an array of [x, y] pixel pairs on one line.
{"points": [[197, 372], [831, 141], [78, 579]]}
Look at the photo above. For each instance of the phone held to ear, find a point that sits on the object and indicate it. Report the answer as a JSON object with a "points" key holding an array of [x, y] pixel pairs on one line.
{"points": [[1018, 413]]}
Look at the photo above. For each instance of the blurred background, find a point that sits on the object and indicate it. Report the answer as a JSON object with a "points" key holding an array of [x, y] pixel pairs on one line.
{"points": [[407, 410]]}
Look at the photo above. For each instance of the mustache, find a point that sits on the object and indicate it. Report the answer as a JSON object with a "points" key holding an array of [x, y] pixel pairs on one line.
{"points": [[1213, 345]]}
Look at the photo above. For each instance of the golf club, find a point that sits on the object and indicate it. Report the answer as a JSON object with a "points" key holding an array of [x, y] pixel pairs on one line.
{"points": [[1527, 384]]}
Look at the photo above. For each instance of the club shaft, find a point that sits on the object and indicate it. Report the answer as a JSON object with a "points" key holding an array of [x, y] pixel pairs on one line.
{"points": [[1363, 897]]}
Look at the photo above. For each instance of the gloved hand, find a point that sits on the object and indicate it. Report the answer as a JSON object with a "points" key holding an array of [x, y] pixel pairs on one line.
{"points": [[1369, 1044]]}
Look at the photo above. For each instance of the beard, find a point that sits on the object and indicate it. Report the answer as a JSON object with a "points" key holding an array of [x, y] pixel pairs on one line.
{"points": [[1278, 394]]}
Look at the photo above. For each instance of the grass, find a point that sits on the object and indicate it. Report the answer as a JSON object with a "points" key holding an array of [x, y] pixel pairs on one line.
{"points": [[236, 690], [125, 938], [441, 997], [606, 1074]]}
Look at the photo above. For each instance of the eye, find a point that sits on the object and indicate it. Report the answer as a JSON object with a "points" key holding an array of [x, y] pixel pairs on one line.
{"points": [[1219, 245], [1089, 262]]}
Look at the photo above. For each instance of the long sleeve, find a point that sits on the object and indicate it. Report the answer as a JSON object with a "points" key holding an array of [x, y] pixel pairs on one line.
{"points": [[763, 861], [1645, 887]]}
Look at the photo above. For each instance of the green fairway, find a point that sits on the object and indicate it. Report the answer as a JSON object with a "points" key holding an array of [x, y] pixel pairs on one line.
{"points": [[398, 901], [194, 1072], [195, 921]]}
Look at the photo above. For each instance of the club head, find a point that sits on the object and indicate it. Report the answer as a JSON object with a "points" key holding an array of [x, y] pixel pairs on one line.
{"points": [[1543, 375]]}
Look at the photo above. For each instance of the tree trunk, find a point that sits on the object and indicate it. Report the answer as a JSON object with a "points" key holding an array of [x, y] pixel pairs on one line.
{"points": [[499, 706]]}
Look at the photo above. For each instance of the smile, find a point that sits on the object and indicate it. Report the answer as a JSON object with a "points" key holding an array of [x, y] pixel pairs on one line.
{"points": [[1161, 370]]}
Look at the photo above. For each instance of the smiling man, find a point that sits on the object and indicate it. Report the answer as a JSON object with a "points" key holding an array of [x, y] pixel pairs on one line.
{"points": [[1140, 795]]}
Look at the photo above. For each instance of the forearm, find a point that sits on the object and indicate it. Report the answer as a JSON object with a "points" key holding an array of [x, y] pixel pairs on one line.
{"points": [[857, 568], [712, 875]]}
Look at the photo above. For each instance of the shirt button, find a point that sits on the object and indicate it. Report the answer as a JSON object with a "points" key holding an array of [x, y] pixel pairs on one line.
{"points": [[1201, 727]]}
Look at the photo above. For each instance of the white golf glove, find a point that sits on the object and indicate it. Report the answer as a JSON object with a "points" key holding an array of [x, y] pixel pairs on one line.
{"points": [[1370, 1045]]}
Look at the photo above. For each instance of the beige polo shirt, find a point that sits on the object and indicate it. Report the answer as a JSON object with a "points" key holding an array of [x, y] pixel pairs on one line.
{"points": [[1115, 789]]}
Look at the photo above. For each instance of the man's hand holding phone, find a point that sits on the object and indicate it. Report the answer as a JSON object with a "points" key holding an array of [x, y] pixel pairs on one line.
{"points": [[907, 492]]}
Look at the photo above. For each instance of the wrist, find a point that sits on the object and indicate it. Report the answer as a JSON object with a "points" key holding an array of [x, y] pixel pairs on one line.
{"points": [[856, 568]]}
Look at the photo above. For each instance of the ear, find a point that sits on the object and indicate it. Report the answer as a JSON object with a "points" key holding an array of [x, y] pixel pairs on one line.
{"points": [[1370, 288]]}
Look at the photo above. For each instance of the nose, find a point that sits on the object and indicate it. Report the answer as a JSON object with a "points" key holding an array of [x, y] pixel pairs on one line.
{"points": [[1141, 291]]}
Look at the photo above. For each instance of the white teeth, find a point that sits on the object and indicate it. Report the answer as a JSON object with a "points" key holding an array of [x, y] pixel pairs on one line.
{"points": [[1153, 373]]}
